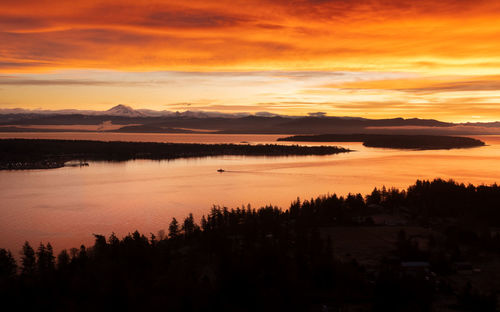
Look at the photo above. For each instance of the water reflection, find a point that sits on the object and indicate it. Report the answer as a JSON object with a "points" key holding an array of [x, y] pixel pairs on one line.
{"points": [[65, 206]]}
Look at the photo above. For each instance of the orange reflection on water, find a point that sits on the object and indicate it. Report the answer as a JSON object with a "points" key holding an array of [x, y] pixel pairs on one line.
{"points": [[66, 205]]}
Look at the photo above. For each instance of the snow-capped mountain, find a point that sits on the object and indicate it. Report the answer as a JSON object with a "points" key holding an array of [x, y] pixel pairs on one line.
{"points": [[123, 111]]}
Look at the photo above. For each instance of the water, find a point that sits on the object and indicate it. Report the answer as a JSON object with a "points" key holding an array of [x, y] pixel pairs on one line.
{"points": [[66, 205]]}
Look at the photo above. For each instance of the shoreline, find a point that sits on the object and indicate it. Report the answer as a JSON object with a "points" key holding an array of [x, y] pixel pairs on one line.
{"points": [[24, 154]]}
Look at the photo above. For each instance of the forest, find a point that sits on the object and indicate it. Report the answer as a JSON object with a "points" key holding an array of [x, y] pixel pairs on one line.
{"points": [[45, 154], [272, 259]]}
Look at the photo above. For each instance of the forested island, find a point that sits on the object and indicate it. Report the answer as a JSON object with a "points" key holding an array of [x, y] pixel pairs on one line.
{"points": [[46, 154], [422, 142], [438, 250]]}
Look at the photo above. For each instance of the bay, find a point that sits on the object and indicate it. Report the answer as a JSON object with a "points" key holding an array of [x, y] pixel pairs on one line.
{"points": [[65, 206]]}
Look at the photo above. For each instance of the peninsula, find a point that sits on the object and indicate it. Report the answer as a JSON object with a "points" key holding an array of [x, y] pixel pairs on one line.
{"points": [[47, 154]]}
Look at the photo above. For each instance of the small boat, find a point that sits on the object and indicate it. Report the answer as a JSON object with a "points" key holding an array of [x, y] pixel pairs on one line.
{"points": [[220, 170]]}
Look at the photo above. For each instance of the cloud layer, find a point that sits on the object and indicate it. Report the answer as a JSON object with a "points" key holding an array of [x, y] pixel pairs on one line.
{"points": [[250, 34]]}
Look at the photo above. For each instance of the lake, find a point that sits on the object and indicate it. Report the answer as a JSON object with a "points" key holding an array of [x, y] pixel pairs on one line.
{"points": [[65, 206]]}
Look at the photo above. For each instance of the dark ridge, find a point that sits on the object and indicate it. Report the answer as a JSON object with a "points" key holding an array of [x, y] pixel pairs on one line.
{"points": [[21, 129], [248, 124], [151, 129], [421, 142], [41, 154]]}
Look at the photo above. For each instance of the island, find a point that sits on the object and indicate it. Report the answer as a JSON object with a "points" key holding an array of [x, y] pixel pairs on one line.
{"points": [[47, 154], [399, 141]]}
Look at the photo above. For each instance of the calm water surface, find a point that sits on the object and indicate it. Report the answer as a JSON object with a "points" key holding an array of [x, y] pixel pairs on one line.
{"points": [[66, 205]]}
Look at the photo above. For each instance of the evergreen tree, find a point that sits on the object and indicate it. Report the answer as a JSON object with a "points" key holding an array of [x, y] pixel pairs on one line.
{"points": [[28, 260], [189, 226], [63, 260], [8, 265], [51, 264], [173, 229], [41, 259]]}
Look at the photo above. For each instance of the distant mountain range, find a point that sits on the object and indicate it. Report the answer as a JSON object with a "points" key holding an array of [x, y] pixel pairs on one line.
{"points": [[127, 119], [125, 111]]}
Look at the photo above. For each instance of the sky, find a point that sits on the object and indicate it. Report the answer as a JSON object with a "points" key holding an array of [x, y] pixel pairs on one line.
{"points": [[367, 58]]}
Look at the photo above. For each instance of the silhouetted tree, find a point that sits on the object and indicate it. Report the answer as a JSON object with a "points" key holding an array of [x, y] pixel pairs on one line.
{"points": [[173, 229], [8, 265], [41, 259], [204, 224], [153, 240], [45, 260], [113, 240], [74, 253], [374, 198], [161, 235], [51, 264], [28, 260], [63, 259], [189, 227], [82, 256]]}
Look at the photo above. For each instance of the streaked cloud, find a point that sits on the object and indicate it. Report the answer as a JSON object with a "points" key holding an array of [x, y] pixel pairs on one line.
{"points": [[60, 82], [426, 84]]}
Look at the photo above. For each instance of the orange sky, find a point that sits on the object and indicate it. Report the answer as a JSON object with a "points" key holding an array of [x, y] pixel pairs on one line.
{"points": [[430, 59]]}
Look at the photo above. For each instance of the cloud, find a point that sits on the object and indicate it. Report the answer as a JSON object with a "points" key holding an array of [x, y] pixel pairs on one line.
{"points": [[317, 114], [247, 35], [61, 82], [425, 85], [16, 65], [60, 79], [215, 107], [191, 19], [457, 86]]}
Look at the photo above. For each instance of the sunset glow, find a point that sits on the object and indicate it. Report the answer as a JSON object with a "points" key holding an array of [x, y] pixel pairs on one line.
{"points": [[365, 58]]}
